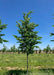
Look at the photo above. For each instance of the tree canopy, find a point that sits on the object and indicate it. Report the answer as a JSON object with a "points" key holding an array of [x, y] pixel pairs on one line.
{"points": [[29, 37]]}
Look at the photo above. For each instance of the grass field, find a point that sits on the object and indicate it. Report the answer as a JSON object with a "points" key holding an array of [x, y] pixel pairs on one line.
{"points": [[15, 64]]}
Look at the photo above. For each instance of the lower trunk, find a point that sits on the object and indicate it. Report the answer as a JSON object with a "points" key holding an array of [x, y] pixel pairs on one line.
{"points": [[46, 52], [27, 63], [36, 51], [2, 55]]}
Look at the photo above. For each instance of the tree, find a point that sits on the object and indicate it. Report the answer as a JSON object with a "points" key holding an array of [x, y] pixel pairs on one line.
{"points": [[4, 48], [47, 49], [28, 37], [8, 50], [39, 50], [13, 48], [18, 50], [4, 26], [44, 49]]}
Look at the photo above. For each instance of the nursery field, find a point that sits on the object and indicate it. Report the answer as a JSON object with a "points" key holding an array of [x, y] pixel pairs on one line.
{"points": [[15, 64]]}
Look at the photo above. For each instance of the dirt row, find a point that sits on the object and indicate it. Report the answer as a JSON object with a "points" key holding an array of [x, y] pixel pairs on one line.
{"points": [[15, 68]]}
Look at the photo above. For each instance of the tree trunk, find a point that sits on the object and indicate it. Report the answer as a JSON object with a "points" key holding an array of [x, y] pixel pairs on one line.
{"points": [[2, 55], [27, 63], [36, 51]]}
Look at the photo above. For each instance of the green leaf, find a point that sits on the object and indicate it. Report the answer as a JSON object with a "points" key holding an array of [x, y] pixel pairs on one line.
{"points": [[53, 25], [0, 22], [3, 26], [39, 38], [5, 41], [51, 34], [16, 37], [37, 46], [29, 13], [2, 34], [52, 40]]}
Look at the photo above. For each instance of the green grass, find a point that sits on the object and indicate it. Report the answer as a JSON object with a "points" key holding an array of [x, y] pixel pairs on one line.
{"points": [[39, 64]]}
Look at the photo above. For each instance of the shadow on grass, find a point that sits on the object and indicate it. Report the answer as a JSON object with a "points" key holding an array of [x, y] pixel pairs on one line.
{"points": [[47, 70], [16, 72]]}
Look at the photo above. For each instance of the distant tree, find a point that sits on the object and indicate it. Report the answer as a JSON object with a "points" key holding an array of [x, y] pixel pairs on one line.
{"points": [[4, 26], [28, 38], [39, 50], [44, 49], [4, 48], [13, 49], [8, 50], [47, 49], [18, 50]]}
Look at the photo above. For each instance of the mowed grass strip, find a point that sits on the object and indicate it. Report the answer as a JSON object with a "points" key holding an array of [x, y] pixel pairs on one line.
{"points": [[20, 60], [37, 63]]}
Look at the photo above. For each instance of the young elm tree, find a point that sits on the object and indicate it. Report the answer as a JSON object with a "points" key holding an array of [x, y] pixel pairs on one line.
{"points": [[29, 37]]}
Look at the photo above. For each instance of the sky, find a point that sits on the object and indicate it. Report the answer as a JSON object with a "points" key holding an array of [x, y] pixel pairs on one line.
{"points": [[12, 11]]}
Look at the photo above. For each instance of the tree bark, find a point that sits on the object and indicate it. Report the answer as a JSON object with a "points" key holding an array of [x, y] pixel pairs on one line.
{"points": [[27, 63]]}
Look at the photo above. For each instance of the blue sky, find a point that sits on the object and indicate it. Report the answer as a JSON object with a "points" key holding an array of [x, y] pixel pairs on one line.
{"points": [[12, 11]]}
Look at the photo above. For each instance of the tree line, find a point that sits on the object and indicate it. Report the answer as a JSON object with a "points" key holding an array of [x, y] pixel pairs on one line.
{"points": [[13, 49]]}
